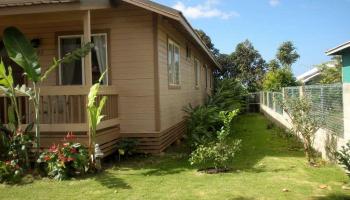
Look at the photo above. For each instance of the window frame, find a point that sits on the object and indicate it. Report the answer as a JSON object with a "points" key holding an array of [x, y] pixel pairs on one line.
{"points": [[206, 76], [81, 36], [197, 71], [173, 84]]}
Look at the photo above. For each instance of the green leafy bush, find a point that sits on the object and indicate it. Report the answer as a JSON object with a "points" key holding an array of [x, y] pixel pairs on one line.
{"points": [[228, 95], [10, 172], [202, 123], [343, 156], [64, 162], [127, 147], [219, 152], [216, 154]]}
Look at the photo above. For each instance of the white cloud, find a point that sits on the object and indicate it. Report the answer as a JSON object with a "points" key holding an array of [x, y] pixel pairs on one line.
{"points": [[205, 10], [274, 3]]}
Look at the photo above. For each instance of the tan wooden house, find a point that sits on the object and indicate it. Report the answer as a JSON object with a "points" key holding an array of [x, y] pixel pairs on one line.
{"points": [[156, 64]]}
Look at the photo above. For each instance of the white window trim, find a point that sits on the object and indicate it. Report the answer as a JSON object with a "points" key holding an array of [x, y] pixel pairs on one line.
{"points": [[170, 41], [82, 59]]}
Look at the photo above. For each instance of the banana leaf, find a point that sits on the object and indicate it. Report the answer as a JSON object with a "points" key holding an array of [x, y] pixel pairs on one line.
{"points": [[21, 51]]}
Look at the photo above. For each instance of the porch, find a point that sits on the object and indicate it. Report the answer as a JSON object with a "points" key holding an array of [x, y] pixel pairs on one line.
{"points": [[63, 109]]}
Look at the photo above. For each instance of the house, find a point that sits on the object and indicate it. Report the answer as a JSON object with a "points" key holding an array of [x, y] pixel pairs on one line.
{"points": [[313, 76], [156, 63], [343, 50]]}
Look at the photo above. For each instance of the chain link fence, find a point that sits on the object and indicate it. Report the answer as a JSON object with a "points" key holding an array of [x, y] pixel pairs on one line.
{"points": [[327, 103]]}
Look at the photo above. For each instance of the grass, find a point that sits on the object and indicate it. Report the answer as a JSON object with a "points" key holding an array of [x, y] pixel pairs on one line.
{"points": [[266, 165]]}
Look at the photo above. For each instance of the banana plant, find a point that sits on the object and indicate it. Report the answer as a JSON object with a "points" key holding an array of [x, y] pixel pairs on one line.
{"points": [[24, 54], [8, 89], [95, 116]]}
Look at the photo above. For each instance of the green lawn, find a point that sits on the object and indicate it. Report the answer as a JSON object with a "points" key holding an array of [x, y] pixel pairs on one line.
{"points": [[266, 165]]}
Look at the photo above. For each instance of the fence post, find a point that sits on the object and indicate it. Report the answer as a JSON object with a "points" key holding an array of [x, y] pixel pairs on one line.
{"points": [[301, 91], [283, 99], [346, 110]]}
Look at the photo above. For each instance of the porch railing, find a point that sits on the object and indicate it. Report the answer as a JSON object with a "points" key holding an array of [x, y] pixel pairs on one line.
{"points": [[63, 108]]}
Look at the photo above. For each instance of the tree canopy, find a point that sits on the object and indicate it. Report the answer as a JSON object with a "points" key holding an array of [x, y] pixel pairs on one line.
{"points": [[207, 41], [248, 66], [287, 54], [329, 74]]}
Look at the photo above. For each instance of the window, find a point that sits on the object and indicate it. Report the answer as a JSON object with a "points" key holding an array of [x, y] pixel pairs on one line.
{"points": [[188, 52], [173, 63], [206, 76], [197, 72], [73, 73], [210, 79]]}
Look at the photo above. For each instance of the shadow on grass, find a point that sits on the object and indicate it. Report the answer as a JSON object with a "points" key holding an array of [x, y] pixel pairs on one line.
{"points": [[333, 196], [242, 198], [110, 181]]}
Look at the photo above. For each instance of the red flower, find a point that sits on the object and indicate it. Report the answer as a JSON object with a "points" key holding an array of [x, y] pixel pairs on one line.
{"points": [[53, 148], [70, 159], [47, 158], [73, 150], [65, 144], [69, 136]]}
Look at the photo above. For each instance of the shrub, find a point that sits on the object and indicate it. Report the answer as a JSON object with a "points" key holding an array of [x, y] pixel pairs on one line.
{"points": [[202, 123], [67, 161], [126, 147], [219, 152], [216, 154], [10, 172], [304, 123], [228, 95], [343, 156]]}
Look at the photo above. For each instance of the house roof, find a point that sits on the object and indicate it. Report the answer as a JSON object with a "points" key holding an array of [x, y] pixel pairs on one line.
{"points": [[313, 73], [178, 16], [146, 4], [16, 3], [339, 49]]}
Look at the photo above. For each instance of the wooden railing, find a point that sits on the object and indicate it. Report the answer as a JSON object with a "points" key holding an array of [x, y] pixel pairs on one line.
{"points": [[63, 108]]}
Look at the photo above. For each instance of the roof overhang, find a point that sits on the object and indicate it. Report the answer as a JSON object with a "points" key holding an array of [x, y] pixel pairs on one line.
{"points": [[177, 16], [71, 5], [339, 49]]}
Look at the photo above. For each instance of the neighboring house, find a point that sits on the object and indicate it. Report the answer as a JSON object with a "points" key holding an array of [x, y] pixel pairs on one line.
{"points": [[156, 63], [313, 76], [343, 50]]}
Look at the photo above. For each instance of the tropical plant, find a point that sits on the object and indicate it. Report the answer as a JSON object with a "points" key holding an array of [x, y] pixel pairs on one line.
{"points": [[304, 121], [287, 54], [331, 72], [202, 123], [64, 162], [220, 151], [95, 116], [228, 95], [343, 156], [10, 172], [16, 145], [126, 147], [276, 79], [22, 53], [215, 154]]}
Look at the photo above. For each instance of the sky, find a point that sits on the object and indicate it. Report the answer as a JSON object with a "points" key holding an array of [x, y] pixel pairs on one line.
{"points": [[314, 26]]}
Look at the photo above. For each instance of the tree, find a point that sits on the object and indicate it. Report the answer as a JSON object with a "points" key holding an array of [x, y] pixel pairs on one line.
{"points": [[207, 41], [304, 122], [329, 74], [287, 54], [248, 66], [276, 80], [274, 65]]}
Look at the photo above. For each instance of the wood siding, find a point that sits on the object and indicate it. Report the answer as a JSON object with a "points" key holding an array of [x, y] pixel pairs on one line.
{"points": [[130, 50], [173, 100]]}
